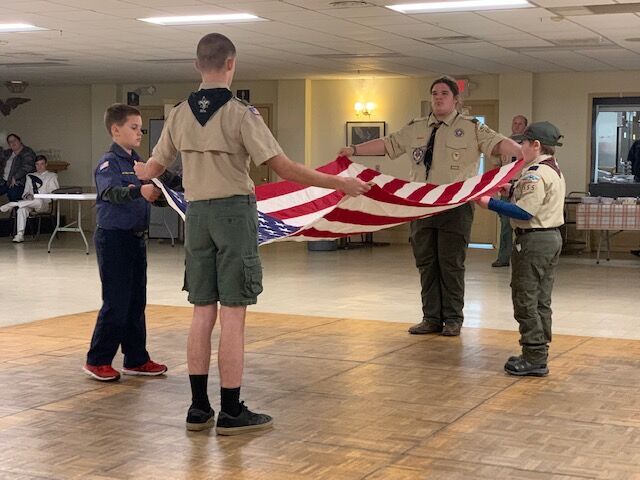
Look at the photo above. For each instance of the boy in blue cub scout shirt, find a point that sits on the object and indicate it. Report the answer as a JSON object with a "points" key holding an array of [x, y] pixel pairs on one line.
{"points": [[122, 218]]}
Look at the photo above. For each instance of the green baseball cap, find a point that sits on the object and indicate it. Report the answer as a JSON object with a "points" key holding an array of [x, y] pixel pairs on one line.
{"points": [[546, 133]]}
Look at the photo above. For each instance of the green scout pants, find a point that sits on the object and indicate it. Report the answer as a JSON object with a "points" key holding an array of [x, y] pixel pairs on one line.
{"points": [[440, 248], [533, 261], [506, 240]]}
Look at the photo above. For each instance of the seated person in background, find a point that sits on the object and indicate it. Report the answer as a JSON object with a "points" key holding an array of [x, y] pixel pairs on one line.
{"points": [[42, 181], [17, 163]]}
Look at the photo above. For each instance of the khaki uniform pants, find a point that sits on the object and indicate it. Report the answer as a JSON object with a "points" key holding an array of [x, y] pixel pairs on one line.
{"points": [[534, 259], [440, 248]]}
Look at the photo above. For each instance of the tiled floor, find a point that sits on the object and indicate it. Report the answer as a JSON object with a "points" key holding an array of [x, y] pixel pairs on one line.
{"points": [[374, 284], [351, 399]]}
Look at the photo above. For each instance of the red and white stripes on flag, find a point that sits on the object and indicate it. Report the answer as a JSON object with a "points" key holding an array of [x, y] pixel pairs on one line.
{"points": [[323, 214]]}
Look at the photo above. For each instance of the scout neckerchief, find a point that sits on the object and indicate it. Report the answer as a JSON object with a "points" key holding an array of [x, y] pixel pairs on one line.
{"points": [[204, 103], [428, 153], [553, 163]]}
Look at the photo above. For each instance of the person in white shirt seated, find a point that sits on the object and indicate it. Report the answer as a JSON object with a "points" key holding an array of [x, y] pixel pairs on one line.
{"points": [[41, 181]]}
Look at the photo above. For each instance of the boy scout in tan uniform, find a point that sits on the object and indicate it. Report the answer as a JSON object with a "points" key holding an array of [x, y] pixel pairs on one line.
{"points": [[444, 147], [440, 242], [536, 211], [218, 136]]}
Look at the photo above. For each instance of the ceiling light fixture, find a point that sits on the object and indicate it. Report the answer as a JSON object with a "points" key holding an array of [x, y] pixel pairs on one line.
{"points": [[202, 19], [459, 5], [16, 86], [18, 27]]}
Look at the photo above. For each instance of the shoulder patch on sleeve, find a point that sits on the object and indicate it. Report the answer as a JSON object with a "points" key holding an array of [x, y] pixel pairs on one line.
{"points": [[254, 110], [103, 165]]}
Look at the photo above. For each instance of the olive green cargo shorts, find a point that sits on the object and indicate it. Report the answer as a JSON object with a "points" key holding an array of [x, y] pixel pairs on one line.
{"points": [[221, 246]]}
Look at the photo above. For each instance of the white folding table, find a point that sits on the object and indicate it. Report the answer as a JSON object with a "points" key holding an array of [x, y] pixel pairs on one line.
{"points": [[78, 198]]}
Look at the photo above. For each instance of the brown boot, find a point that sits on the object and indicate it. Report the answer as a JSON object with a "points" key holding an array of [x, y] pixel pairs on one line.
{"points": [[451, 329], [425, 327]]}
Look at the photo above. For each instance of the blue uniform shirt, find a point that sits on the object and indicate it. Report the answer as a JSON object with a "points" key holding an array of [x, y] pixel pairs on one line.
{"points": [[115, 169]]}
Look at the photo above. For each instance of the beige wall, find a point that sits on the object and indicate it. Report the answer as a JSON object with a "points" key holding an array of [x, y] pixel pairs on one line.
{"points": [[56, 118], [516, 98], [292, 106]]}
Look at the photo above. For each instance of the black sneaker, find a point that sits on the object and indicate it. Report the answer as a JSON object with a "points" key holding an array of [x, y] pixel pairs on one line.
{"points": [[246, 421], [520, 367], [199, 419]]}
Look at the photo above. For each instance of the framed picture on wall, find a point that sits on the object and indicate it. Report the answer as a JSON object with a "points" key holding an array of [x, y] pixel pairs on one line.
{"points": [[360, 132]]}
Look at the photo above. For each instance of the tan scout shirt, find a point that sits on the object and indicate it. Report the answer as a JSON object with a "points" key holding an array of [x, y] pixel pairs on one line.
{"points": [[458, 144], [216, 156], [540, 190]]}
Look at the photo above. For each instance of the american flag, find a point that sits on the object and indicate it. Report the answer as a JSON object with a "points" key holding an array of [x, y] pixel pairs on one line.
{"points": [[289, 211]]}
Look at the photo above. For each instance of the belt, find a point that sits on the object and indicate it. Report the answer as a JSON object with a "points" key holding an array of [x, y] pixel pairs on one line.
{"points": [[522, 231]]}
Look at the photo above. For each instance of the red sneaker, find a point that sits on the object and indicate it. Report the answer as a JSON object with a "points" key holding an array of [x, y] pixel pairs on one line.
{"points": [[150, 368], [104, 373]]}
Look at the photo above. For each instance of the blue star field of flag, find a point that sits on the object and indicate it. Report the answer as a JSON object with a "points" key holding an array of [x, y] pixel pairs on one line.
{"points": [[178, 199], [270, 228]]}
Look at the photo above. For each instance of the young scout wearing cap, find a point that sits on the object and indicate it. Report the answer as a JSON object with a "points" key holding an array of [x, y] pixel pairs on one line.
{"points": [[536, 212]]}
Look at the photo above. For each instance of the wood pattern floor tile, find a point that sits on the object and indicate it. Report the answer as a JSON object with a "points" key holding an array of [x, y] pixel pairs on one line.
{"points": [[543, 444], [411, 467], [351, 399]]}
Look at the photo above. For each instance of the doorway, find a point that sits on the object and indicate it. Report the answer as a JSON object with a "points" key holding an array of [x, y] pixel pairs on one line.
{"points": [[148, 113], [485, 223]]}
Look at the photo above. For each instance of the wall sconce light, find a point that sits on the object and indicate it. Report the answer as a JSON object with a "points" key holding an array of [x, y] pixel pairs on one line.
{"points": [[364, 108]]}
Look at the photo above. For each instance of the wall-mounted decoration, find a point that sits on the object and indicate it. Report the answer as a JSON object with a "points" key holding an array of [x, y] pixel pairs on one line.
{"points": [[11, 104], [360, 132]]}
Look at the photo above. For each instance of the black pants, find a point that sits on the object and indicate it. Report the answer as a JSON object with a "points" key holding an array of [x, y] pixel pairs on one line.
{"points": [[14, 194], [122, 261]]}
